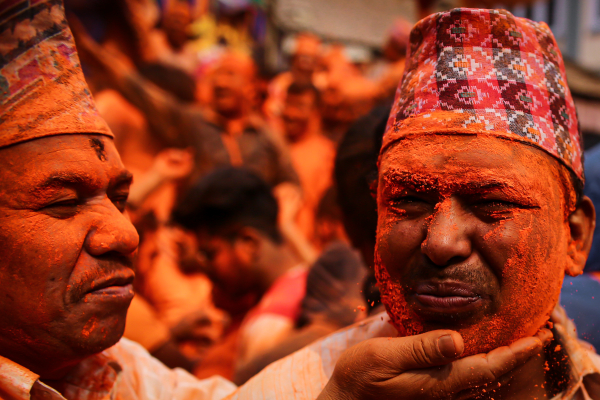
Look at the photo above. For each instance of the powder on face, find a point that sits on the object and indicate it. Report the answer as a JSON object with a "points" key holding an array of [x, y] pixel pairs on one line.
{"points": [[476, 218], [64, 233]]}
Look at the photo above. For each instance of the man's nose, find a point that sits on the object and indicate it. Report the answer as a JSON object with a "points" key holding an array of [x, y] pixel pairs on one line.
{"points": [[447, 239], [111, 231]]}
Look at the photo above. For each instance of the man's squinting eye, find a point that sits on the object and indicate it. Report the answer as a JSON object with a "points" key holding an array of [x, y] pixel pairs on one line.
{"points": [[63, 208], [408, 200], [497, 208], [410, 205], [120, 200]]}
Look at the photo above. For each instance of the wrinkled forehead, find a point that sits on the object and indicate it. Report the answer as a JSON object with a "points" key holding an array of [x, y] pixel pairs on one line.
{"points": [[459, 161], [92, 158]]}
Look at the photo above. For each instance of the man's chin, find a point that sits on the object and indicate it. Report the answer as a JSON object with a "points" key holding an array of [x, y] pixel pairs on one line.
{"points": [[478, 342], [97, 330], [488, 334], [480, 336]]}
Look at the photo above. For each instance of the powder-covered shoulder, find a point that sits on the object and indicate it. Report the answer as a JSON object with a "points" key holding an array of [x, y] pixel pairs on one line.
{"points": [[143, 377]]}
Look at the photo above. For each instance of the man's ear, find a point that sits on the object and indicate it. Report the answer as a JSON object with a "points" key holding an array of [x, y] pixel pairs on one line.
{"points": [[582, 223], [373, 184], [247, 245]]}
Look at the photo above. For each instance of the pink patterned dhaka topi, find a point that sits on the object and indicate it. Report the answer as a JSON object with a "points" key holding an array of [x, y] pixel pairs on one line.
{"points": [[472, 71]]}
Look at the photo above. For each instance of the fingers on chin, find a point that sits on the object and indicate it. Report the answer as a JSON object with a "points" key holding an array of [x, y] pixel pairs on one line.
{"points": [[471, 373]]}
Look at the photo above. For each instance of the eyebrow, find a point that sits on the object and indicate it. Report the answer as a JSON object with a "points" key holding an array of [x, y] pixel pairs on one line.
{"points": [[422, 182], [124, 177], [59, 180]]}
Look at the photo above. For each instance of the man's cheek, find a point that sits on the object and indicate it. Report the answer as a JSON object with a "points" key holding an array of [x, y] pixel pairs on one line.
{"points": [[399, 240], [402, 317], [395, 240], [57, 257], [533, 272]]}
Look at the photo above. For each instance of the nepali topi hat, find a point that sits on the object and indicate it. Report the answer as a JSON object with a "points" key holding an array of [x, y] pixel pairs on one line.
{"points": [[475, 71], [42, 88]]}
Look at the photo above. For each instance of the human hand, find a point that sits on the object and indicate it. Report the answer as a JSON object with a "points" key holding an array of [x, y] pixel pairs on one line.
{"points": [[172, 164], [424, 366], [203, 326], [289, 200]]}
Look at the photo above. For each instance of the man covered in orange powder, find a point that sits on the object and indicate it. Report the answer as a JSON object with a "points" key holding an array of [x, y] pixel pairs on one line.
{"points": [[226, 132], [68, 246], [311, 152], [304, 62], [233, 214], [480, 216], [394, 52]]}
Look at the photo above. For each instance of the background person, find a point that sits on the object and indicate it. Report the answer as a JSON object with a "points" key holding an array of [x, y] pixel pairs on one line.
{"points": [[234, 216]]}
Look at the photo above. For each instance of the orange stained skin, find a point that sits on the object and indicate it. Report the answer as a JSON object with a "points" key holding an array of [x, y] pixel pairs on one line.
{"points": [[306, 56], [312, 158], [307, 44], [67, 251], [482, 216], [227, 264], [232, 85], [300, 117]]}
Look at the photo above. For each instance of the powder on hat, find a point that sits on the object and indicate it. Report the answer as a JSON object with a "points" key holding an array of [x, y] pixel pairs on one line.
{"points": [[474, 71], [42, 88]]}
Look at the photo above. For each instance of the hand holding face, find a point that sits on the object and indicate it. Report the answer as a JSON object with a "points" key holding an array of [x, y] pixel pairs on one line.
{"points": [[423, 367]]}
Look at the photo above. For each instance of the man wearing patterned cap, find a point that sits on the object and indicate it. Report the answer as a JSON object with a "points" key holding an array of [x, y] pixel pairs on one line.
{"points": [[479, 219], [66, 266], [480, 216]]}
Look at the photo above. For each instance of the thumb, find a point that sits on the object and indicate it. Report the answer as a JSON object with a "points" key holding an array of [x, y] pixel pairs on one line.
{"points": [[429, 349]]}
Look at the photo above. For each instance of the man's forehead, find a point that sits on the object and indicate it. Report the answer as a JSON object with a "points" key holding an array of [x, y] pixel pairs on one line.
{"points": [[60, 143], [477, 160], [74, 158]]}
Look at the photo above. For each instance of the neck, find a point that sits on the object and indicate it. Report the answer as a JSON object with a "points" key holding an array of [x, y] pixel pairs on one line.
{"points": [[302, 76], [276, 264], [298, 138], [232, 122], [530, 381], [50, 367]]}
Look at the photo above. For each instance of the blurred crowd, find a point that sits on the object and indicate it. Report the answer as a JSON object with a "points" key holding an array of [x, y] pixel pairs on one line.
{"points": [[252, 192]]}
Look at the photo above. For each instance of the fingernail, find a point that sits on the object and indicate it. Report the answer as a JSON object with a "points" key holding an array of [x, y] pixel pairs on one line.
{"points": [[446, 346]]}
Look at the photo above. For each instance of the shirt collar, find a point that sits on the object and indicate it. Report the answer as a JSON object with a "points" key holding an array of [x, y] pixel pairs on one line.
{"points": [[15, 381], [93, 378], [583, 360]]}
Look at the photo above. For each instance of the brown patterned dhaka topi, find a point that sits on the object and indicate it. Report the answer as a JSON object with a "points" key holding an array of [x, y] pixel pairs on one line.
{"points": [[42, 88]]}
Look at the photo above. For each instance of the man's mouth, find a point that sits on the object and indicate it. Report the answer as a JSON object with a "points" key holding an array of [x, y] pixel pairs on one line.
{"points": [[118, 286], [446, 297], [222, 93]]}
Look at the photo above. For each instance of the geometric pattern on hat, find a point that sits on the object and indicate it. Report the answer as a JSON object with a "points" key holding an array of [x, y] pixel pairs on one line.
{"points": [[487, 71], [42, 88]]}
